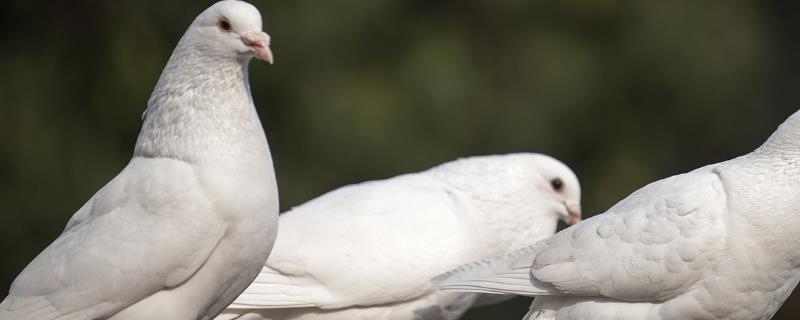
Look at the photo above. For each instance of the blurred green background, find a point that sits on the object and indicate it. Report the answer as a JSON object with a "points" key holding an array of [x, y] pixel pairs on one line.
{"points": [[625, 92]]}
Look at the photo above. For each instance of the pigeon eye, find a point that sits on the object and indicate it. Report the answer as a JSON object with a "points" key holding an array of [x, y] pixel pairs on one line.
{"points": [[557, 184], [224, 25]]}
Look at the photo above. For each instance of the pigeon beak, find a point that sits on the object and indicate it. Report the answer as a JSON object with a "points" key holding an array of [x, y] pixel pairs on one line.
{"points": [[573, 214], [258, 42]]}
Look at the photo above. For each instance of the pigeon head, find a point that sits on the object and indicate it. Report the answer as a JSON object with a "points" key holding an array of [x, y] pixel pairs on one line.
{"points": [[230, 29], [560, 185], [515, 197]]}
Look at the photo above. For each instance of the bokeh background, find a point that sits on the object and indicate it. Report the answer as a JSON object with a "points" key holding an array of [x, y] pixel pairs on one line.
{"points": [[625, 92]]}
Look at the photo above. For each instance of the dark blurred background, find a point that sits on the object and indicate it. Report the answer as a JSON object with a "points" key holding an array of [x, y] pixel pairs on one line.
{"points": [[625, 92]]}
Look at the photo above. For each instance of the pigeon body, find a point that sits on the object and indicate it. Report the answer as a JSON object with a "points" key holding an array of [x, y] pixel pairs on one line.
{"points": [[368, 251], [714, 243], [187, 224]]}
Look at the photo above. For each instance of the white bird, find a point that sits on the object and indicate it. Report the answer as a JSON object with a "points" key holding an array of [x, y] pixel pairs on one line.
{"points": [[187, 224], [368, 251], [714, 243]]}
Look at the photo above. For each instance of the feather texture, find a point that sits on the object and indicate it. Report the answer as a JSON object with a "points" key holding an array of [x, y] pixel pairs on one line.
{"points": [[713, 243], [368, 251]]}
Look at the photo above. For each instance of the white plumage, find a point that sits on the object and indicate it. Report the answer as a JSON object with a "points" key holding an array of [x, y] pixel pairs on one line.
{"points": [[368, 251], [714, 243], [187, 224]]}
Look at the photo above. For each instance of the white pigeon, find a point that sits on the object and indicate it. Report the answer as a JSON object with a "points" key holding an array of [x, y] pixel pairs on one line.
{"points": [[186, 226], [714, 243], [368, 251]]}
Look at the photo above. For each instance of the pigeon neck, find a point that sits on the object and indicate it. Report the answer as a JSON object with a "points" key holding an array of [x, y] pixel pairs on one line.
{"points": [[762, 185], [785, 141], [201, 111]]}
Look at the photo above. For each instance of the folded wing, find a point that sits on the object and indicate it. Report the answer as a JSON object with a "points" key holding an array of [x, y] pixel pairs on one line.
{"points": [[107, 259], [361, 245], [653, 245]]}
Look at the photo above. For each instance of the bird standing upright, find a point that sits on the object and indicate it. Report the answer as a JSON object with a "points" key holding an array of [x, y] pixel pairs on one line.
{"points": [[368, 251], [187, 224], [715, 243]]}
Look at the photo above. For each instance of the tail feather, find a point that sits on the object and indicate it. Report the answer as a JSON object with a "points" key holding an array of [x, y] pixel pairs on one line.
{"points": [[508, 274]]}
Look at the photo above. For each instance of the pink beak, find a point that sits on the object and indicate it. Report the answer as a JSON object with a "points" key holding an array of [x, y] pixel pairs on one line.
{"points": [[573, 214], [258, 42], [573, 218]]}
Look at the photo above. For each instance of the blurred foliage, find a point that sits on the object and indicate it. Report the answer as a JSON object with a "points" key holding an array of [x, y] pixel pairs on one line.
{"points": [[625, 92]]}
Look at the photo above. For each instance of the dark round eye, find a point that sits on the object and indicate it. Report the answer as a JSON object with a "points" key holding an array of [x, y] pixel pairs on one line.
{"points": [[557, 184], [224, 25]]}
